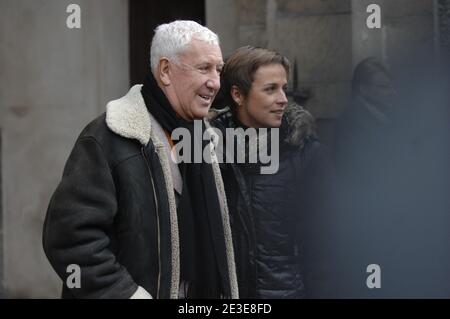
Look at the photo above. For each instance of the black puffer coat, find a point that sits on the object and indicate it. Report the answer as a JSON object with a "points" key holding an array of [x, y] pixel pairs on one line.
{"points": [[273, 215]]}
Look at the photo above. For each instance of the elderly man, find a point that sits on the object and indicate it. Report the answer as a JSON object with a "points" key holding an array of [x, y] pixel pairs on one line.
{"points": [[136, 223]]}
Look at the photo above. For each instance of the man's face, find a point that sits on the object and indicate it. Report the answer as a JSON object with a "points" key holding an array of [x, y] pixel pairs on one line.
{"points": [[195, 79]]}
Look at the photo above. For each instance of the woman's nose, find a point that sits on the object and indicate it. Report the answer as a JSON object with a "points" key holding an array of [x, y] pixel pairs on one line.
{"points": [[282, 99]]}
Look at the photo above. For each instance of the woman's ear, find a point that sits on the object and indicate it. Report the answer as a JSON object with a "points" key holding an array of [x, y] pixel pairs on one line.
{"points": [[236, 95], [164, 71]]}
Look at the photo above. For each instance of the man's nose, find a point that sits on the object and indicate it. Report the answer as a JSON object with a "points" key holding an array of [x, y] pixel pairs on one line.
{"points": [[214, 82]]}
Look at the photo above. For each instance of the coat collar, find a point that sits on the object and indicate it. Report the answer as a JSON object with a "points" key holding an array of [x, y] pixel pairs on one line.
{"points": [[128, 116]]}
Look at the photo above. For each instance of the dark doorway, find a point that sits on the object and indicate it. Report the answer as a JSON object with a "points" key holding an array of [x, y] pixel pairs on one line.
{"points": [[145, 16]]}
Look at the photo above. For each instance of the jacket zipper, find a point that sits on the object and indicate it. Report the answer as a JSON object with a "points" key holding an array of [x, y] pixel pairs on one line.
{"points": [[157, 219], [250, 228], [253, 237], [249, 236]]}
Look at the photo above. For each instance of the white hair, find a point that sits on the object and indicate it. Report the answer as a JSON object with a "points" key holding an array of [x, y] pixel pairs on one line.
{"points": [[171, 39]]}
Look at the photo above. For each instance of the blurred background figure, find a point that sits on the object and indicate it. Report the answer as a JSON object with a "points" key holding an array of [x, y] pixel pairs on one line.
{"points": [[363, 138], [360, 130], [392, 154]]}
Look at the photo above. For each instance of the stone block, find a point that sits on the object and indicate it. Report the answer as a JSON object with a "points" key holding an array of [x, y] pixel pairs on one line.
{"points": [[254, 35], [321, 45], [252, 12], [313, 7], [406, 35], [402, 8], [328, 100]]}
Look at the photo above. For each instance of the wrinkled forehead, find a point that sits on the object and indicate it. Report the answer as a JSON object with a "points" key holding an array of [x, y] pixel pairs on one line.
{"points": [[199, 51]]}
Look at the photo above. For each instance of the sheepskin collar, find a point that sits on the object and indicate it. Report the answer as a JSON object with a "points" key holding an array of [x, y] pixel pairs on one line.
{"points": [[128, 116]]}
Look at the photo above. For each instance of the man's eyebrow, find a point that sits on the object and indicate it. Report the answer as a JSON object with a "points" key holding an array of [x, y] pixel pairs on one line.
{"points": [[220, 64]]}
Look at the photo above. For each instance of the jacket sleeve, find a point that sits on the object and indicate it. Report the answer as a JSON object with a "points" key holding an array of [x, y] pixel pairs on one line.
{"points": [[79, 218]]}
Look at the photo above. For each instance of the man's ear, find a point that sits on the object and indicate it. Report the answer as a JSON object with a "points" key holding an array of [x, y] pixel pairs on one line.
{"points": [[236, 95], [164, 71]]}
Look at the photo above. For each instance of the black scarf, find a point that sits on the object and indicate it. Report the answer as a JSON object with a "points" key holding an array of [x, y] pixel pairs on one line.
{"points": [[203, 257]]}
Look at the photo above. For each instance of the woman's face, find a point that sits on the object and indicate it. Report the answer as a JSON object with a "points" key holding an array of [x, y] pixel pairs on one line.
{"points": [[265, 103]]}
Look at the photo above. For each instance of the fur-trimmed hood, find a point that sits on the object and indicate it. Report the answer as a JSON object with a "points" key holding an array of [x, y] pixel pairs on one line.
{"points": [[299, 125]]}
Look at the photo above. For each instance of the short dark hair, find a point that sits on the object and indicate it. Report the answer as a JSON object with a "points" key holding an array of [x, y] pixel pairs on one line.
{"points": [[365, 73], [241, 66]]}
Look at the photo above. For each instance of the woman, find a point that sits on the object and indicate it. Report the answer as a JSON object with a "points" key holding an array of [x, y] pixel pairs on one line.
{"points": [[271, 212]]}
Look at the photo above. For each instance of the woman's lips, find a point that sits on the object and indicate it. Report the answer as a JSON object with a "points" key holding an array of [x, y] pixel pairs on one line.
{"points": [[278, 112]]}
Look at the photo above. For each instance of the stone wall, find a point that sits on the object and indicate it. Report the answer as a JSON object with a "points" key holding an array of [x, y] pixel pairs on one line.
{"points": [[1, 221], [54, 80], [406, 26], [325, 39], [316, 35]]}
